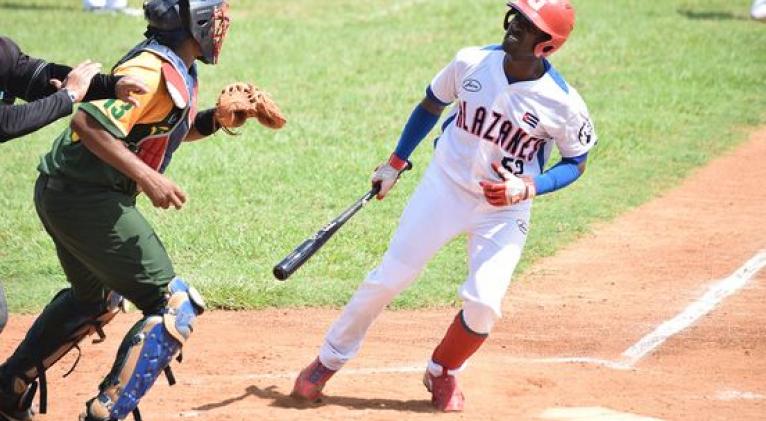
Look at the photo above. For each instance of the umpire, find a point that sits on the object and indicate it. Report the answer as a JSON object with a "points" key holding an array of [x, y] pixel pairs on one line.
{"points": [[51, 90]]}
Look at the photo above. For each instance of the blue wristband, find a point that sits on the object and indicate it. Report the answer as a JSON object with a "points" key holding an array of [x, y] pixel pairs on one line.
{"points": [[417, 128], [561, 175]]}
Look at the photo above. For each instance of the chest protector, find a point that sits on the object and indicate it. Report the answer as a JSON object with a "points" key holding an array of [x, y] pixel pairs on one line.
{"points": [[156, 142]]}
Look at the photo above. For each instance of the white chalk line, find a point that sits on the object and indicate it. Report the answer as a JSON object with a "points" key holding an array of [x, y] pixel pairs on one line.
{"points": [[591, 414], [733, 395], [401, 369], [704, 305], [696, 310], [615, 365], [715, 295]]}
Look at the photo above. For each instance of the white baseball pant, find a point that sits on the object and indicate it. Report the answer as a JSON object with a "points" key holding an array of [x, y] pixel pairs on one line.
{"points": [[438, 211]]}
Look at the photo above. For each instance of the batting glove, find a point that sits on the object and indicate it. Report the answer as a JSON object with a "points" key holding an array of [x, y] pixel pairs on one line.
{"points": [[510, 191], [387, 174]]}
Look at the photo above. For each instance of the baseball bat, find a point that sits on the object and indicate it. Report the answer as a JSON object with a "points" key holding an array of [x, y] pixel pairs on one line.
{"points": [[303, 252]]}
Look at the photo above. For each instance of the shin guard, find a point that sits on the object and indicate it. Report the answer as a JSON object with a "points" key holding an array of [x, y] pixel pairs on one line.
{"points": [[146, 352]]}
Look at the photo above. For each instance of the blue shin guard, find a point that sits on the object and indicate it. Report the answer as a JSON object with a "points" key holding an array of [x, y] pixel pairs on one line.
{"points": [[145, 352]]}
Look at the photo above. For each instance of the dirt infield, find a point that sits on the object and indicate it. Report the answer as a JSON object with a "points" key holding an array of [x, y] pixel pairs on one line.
{"points": [[578, 335]]}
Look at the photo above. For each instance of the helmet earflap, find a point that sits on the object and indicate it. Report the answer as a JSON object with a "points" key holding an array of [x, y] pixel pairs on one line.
{"points": [[544, 49]]}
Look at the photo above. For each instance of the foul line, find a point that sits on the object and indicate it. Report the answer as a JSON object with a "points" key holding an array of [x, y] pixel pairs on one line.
{"points": [[715, 294], [696, 310]]}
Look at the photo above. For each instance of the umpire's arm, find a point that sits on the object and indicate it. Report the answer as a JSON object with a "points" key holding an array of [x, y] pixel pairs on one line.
{"points": [[19, 120]]}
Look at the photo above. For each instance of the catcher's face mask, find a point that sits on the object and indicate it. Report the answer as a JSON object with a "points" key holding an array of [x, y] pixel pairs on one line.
{"points": [[208, 22]]}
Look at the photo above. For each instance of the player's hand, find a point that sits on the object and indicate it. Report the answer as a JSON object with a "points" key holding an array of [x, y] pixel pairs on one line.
{"points": [[128, 86], [387, 173], [162, 191], [78, 80], [510, 190]]}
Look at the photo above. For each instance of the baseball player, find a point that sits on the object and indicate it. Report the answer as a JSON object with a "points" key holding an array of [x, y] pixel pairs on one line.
{"points": [[85, 197], [511, 108], [110, 6], [758, 10]]}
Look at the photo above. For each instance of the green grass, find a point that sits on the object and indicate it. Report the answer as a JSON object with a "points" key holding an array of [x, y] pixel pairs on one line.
{"points": [[670, 84]]}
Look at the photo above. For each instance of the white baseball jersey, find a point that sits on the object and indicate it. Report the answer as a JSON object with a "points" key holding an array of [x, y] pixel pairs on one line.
{"points": [[495, 119]]}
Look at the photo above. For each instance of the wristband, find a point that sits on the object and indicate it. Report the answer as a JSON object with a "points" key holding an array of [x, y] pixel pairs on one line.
{"points": [[397, 163], [204, 122]]}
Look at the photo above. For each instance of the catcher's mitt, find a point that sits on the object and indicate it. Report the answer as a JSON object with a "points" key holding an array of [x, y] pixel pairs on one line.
{"points": [[240, 101]]}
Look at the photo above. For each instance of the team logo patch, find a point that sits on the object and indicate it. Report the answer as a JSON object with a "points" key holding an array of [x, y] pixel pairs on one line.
{"points": [[531, 119], [472, 85], [586, 133], [522, 224]]}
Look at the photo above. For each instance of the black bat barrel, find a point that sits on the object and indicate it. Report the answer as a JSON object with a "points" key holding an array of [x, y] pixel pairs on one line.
{"points": [[303, 252], [294, 260]]}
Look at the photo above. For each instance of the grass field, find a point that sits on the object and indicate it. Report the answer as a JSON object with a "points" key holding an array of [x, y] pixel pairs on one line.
{"points": [[670, 84]]}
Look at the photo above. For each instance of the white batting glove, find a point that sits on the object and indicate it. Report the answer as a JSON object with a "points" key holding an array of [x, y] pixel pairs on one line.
{"points": [[387, 174], [510, 191]]}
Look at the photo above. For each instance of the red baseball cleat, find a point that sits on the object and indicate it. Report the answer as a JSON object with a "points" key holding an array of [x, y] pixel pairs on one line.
{"points": [[308, 386], [445, 393]]}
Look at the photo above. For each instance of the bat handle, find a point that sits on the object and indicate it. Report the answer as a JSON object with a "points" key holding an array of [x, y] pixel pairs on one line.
{"points": [[373, 191]]}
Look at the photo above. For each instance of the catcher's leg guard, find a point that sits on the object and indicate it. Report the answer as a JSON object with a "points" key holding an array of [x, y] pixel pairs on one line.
{"points": [[145, 352], [59, 328]]}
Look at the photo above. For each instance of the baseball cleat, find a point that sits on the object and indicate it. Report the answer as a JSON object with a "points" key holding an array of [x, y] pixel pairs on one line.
{"points": [[446, 396], [16, 404], [16, 416], [95, 410], [310, 382]]}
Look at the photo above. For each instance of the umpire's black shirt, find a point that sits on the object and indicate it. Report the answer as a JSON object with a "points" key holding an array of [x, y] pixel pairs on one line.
{"points": [[29, 78]]}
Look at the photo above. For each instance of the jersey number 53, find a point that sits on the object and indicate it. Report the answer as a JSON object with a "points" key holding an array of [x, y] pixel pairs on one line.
{"points": [[514, 166]]}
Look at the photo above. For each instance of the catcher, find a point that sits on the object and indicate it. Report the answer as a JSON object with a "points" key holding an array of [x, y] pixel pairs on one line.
{"points": [[85, 197]]}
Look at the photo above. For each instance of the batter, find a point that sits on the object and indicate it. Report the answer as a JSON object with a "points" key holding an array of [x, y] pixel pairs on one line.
{"points": [[510, 108]]}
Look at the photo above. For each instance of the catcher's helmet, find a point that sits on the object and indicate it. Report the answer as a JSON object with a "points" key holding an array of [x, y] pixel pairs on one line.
{"points": [[554, 17], [206, 21]]}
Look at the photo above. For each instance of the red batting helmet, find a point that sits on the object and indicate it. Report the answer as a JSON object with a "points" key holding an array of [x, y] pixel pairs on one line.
{"points": [[554, 17]]}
